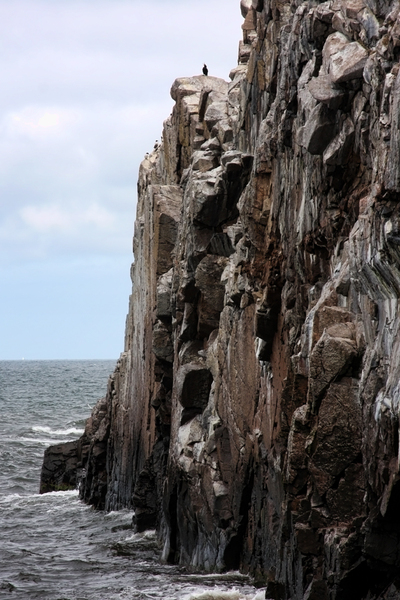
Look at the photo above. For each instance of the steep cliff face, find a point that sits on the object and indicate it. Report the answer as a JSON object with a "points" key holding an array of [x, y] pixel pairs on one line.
{"points": [[253, 416]]}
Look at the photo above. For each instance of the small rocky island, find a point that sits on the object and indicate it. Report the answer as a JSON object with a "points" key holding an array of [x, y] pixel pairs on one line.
{"points": [[253, 417]]}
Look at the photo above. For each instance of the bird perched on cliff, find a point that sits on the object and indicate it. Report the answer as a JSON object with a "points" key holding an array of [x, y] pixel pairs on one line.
{"points": [[205, 70]]}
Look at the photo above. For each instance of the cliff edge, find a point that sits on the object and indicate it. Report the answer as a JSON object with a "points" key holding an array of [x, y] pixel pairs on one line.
{"points": [[253, 416]]}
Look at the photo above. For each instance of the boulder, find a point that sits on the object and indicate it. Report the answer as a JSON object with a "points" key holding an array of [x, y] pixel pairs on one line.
{"points": [[59, 469], [343, 60], [330, 358], [323, 90]]}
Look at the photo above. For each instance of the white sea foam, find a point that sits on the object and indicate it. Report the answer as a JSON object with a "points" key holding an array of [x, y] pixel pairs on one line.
{"points": [[218, 594], [146, 535], [46, 429], [17, 498], [42, 441], [118, 514], [215, 594]]}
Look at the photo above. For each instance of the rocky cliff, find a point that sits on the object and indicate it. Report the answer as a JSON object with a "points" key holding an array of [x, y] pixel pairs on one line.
{"points": [[253, 416]]}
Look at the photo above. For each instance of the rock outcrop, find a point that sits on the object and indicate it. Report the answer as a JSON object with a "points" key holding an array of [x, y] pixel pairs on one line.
{"points": [[254, 414]]}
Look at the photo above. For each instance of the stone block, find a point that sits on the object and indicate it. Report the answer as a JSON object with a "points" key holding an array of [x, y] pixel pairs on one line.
{"points": [[162, 343], [318, 130], [217, 111], [346, 502], [334, 43], [327, 316], [337, 152], [208, 202], [308, 540], [212, 144], [193, 385], [167, 201], [212, 292], [337, 442], [250, 21], [204, 161], [324, 12], [369, 23], [353, 7], [221, 245], [163, 306], [322, 90], [59, 470], [347, 62], [330, 358]]}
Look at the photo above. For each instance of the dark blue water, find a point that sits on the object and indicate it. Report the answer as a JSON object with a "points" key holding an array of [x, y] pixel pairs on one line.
{"points": [[52, 546]]}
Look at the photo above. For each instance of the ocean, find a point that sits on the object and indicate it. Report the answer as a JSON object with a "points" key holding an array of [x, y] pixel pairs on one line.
{"points": [[54, 547]]}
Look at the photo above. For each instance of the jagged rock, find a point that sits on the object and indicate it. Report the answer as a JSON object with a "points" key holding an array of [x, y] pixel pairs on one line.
{"points": [[245, 6], [164, 290], [209, 203], [324, 12], [212, 291], [193, 383], [337, 152], [323, 91], [162, 343], [220, 244], [370, 23], [337, 441], [211, 144], [330, 358], [343, 60], [204, 161], [318, 130], [262, 433], [353, 7], [59, 469]]}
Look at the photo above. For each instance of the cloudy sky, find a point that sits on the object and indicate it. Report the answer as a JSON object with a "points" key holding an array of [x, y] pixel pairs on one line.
{"points": [[84, 91]]}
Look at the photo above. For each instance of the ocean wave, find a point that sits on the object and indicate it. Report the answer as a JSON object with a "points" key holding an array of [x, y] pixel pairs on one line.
{"points": [[45, 441], [68, 431], [215, 594], [218, 594], [15, 498]]}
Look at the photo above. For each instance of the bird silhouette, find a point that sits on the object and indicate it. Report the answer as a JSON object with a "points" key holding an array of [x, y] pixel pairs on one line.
{"points": [[205, 70]]}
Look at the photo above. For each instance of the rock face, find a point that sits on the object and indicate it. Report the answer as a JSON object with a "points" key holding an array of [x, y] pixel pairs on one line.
{"points": [[254, 415]]}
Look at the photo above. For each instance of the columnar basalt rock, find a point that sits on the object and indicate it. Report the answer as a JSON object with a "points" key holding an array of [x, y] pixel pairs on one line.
{"points": [[253, 417]]}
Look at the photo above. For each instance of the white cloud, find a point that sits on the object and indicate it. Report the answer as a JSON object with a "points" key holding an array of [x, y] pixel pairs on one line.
{"points": [[59, 219], [39, 122]]}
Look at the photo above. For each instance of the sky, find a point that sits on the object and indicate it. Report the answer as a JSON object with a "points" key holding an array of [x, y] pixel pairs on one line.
{"points": [[84, 92]]}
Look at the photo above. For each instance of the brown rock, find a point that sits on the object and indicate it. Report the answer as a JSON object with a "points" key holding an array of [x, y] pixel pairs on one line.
{"points": [[337, 441], [212, 292]]}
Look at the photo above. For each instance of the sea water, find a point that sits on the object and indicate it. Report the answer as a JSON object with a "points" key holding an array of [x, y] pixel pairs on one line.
{"points": [[54, 547]]}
